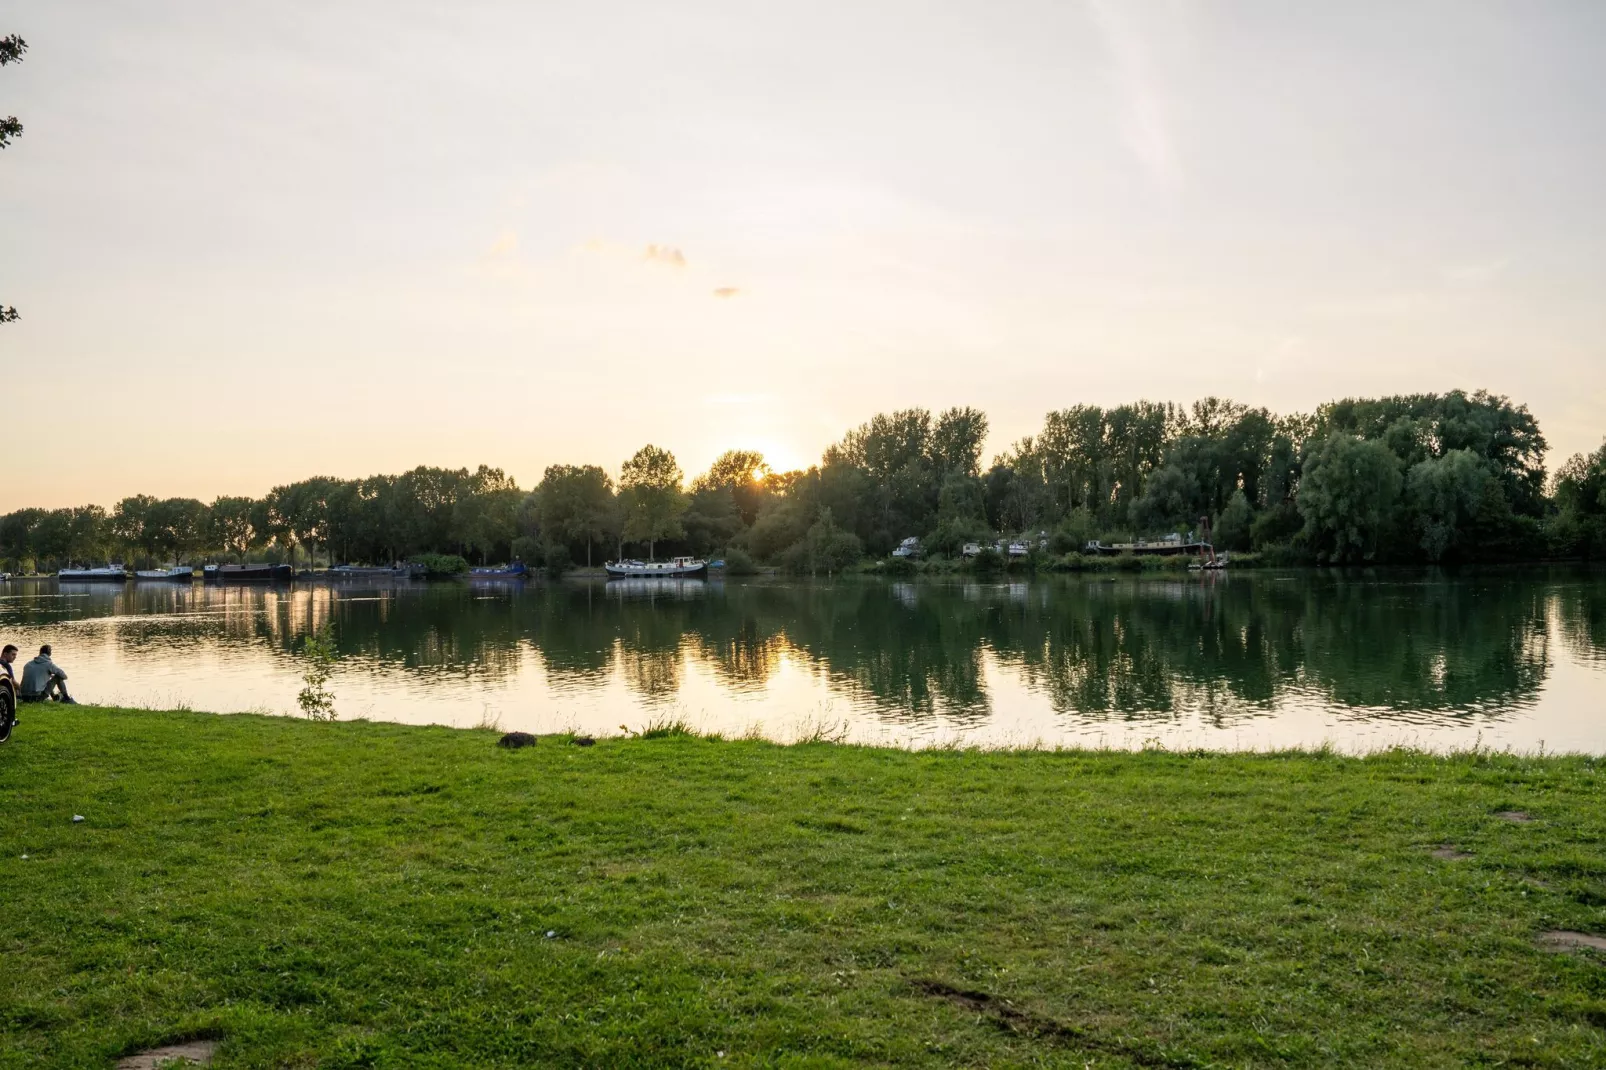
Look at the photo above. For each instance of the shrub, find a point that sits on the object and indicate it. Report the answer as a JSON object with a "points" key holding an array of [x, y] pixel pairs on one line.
{"points": [[441, 564], [555, 556], [989, 560], [738, 562], [316, 700], [897, 566]]}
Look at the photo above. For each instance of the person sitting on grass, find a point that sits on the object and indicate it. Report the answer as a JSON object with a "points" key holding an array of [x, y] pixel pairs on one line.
{"points": [[43, 680], [7, 656]]}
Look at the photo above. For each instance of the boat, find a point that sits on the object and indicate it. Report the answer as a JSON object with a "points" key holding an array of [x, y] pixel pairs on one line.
{"points": [[113, 574], [373, 572], [177, 572], [249, 573], [515, 571], [675, 566]]}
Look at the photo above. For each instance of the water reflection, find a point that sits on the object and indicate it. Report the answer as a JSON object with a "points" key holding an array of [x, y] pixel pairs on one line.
{"points": [[1214, 651]]}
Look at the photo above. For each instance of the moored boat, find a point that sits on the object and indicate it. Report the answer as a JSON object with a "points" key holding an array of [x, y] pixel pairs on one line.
{"points": [[113, 574], [372, 572], [675, 566], [177, 572], [515, 571], [249, 573]]}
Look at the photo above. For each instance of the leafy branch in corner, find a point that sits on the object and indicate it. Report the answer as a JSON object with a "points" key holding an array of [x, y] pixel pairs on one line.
{"points": [[11, 49]]}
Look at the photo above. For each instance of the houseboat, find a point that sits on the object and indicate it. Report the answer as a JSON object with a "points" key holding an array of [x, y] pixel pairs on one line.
{"points": [[112, 574], [675, 566], [177, 572]]}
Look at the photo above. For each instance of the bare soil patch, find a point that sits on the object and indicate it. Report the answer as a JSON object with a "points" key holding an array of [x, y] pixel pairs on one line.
{"points": [[194, 1053], [1567, 940], [1518, 817], [1007, 1016], [1450, 854]]}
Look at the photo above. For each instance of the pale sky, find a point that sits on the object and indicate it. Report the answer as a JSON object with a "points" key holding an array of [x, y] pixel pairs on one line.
{"points": [[253, 243]]}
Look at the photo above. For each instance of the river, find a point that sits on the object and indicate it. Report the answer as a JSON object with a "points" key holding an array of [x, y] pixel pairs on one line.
{"points": [[1251, 660]]}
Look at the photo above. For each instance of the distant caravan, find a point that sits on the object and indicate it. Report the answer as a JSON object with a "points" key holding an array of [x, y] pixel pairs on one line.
{"points": [[675, 566]]}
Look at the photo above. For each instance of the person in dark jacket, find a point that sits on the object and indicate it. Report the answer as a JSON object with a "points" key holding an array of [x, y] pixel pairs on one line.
{"points": [[7, 656], [42, 679]]}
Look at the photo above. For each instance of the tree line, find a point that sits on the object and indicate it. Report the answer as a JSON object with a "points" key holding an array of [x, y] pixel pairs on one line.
{"points": [[1421, 478]]}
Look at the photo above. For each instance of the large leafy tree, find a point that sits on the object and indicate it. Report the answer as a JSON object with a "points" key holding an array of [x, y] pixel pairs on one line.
{"points": [[575, 503], [650, 493], [230, 520], [1348, 497], [742, 475]]}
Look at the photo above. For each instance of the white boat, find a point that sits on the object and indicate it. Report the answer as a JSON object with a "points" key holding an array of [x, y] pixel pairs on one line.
{"points": [[909, 547], [114, 574], [177, 572], [675, 566]]}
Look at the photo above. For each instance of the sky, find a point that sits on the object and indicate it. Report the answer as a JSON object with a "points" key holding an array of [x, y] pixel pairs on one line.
{"points": [[254, 243]]}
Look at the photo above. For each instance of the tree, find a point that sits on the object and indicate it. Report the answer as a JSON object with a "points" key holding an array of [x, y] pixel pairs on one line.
{"points": [[575, 503], [1442, 496], [956, 442], [175, 527], [11, 49], [1233, 527], [1348, 497], [826, 548], [649, 486], [130, 524], [743, 474], [711, 520], [230, 521], [1170, 500]]}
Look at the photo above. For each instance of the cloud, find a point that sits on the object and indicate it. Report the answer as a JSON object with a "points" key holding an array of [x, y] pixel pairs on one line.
{"points": [[506, 244], [1474, 272], [1144, 126], [665, 254], [726, 291]]}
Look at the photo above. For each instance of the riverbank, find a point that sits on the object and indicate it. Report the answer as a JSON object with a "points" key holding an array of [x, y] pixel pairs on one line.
{"points": [[367, 894]]}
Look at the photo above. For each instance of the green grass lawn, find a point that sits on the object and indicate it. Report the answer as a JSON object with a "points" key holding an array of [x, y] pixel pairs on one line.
{"points": [[359, 894]]}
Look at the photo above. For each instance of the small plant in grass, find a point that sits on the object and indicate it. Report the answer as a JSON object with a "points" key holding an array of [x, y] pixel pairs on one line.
{"points": [[316, 700]]}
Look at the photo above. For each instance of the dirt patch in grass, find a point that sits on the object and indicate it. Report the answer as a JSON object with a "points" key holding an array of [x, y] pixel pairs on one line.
{"points": [[1516, 817], [194, 1053], [1567, 940], [1007, 1016], [1450, 854]]}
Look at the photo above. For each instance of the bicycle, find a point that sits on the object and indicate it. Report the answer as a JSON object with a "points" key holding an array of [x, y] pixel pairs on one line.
{"points": [[8, 708]]}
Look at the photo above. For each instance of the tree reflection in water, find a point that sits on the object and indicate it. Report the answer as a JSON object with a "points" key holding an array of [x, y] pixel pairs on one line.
{"points": [[1391, 645]]}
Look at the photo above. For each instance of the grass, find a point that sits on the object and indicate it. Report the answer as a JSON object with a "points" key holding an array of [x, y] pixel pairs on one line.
{"points": [[374, 895]]}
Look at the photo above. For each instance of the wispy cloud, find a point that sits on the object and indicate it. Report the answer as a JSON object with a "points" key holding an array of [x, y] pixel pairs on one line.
{"points": [[1474, 272], [726, 291], [506, 244], [665, 254], [1144, 125]]}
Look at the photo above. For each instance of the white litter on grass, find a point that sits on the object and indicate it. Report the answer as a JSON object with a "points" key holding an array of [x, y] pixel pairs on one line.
{"points": [[550, 933], [77, 818]]}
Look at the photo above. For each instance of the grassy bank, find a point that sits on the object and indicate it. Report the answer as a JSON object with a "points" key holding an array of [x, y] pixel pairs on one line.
{"points": [[365, 894]]}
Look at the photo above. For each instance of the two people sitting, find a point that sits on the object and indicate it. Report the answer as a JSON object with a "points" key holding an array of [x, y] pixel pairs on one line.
{"points": [[42, 679]]}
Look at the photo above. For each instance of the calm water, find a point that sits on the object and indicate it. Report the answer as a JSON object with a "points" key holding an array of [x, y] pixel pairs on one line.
{"points": [[1512, 659]]}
